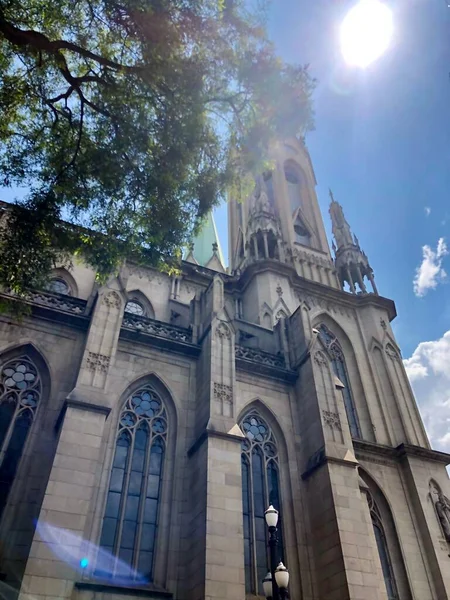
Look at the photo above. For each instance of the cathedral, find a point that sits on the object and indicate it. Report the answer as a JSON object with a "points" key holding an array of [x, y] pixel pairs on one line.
{"points": [[146, 425]]}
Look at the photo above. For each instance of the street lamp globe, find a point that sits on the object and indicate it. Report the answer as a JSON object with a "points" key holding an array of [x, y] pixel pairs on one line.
{"points": [[267, 585], [271, 516], [282, 576]]}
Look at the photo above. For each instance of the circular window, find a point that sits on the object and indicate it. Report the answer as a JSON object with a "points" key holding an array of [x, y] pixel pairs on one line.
{"points": [[58, 286], [135, 308]]}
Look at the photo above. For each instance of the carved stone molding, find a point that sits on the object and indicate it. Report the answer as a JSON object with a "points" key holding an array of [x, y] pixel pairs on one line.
{"points": [[223, 331], [259, 356], [112, 300], [153, 327], [331, 419], [383, 324], [392, 352], [57, 301], [223, 392], [320, 358], [97, 362]]}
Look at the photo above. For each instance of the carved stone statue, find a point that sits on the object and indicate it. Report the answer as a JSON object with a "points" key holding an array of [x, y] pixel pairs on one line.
{"points": [[443, 511]]}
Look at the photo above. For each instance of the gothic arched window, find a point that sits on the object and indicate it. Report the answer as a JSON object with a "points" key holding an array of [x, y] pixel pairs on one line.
{"points": [[383, 550], [260, 488], [293, 178], [130, 523], [20, 392], [340, 370]]}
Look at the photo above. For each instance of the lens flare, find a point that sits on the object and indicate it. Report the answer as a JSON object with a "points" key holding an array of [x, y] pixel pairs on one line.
{"points": [[81, 554], [366, 32]]}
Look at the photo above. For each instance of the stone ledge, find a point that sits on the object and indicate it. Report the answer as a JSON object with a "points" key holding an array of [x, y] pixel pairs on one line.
{"points": [[149, 591], [401, 451], [211, 433]]}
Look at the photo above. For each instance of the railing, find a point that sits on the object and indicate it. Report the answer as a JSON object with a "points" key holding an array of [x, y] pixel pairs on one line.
{"points": [[61, 302], [258, 356], [152, 327]]}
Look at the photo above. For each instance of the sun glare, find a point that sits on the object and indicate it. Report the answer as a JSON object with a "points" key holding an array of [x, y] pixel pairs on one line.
{"points": [[366, 32]]}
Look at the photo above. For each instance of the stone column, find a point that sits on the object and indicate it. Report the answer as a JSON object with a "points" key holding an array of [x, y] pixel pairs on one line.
{"points": [[215, 552], [345, 555], [57, 549], [54, 561], [266, 246], [255, 246]]}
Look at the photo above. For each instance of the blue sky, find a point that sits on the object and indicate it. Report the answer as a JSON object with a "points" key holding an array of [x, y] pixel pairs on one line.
{"points": [[382, 144]]}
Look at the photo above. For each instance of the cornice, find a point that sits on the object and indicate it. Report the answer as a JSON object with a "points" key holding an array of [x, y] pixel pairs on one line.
{"points": [[304, 286], [399, 452]]}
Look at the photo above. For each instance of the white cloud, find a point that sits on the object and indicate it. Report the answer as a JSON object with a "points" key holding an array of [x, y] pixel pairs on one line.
{"points": [[429, 372], [427, 210], [430, 272]]}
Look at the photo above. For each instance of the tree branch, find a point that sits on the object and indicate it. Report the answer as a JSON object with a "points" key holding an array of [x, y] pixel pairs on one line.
{"points": [[41, 42]]}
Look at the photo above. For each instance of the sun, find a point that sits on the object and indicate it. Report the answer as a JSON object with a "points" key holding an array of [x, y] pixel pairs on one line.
{"points": [[366, 32]]}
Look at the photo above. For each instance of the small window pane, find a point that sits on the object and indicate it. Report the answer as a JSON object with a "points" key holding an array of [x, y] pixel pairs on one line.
{"points": [[153, 486], [156, 460], [151, 507], [7, 409], [148, 537], [113, 504], [116, 480], [128, 534], [145, 563], [121, 455], [13, 454], [131, 508], [108, 532], [135, 483]]}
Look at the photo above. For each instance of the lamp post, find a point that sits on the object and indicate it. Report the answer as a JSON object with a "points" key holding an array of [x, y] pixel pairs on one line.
{"points": [[276, 581]]}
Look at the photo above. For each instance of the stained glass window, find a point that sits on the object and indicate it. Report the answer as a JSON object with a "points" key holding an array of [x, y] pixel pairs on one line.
{"points": [[383, 550], [20, 392], [135, 308], [58, 286], [260, 488], [340, 370], [131, 515]]}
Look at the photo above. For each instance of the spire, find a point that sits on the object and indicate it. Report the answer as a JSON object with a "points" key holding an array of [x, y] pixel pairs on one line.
{"points": [[206, 246], [351, 262]]}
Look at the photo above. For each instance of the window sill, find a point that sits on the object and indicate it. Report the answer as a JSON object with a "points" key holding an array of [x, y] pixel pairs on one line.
{"points": [[148, 591]]}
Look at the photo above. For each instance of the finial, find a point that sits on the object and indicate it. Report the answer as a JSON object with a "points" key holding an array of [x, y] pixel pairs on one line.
{"points": [[356, 239], [331, 195], [191, 247], [215, 247]]}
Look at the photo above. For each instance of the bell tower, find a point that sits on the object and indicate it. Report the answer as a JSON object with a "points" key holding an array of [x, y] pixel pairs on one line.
{"points": [[281, 219]]}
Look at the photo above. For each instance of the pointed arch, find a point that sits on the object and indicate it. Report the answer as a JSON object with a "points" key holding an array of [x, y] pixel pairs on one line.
{"points": [[295, 180], [138, 304], [386, 538], [60, 277], [261, 459], [24, 386], [334, 345], [135, 530], [266, 316]]}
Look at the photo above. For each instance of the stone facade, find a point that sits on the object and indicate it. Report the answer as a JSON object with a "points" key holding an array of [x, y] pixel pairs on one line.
{"points": [[272, 362]]}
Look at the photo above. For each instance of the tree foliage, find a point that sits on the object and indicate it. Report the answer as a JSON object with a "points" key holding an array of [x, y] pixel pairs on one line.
{"points": [[130, 119]]}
